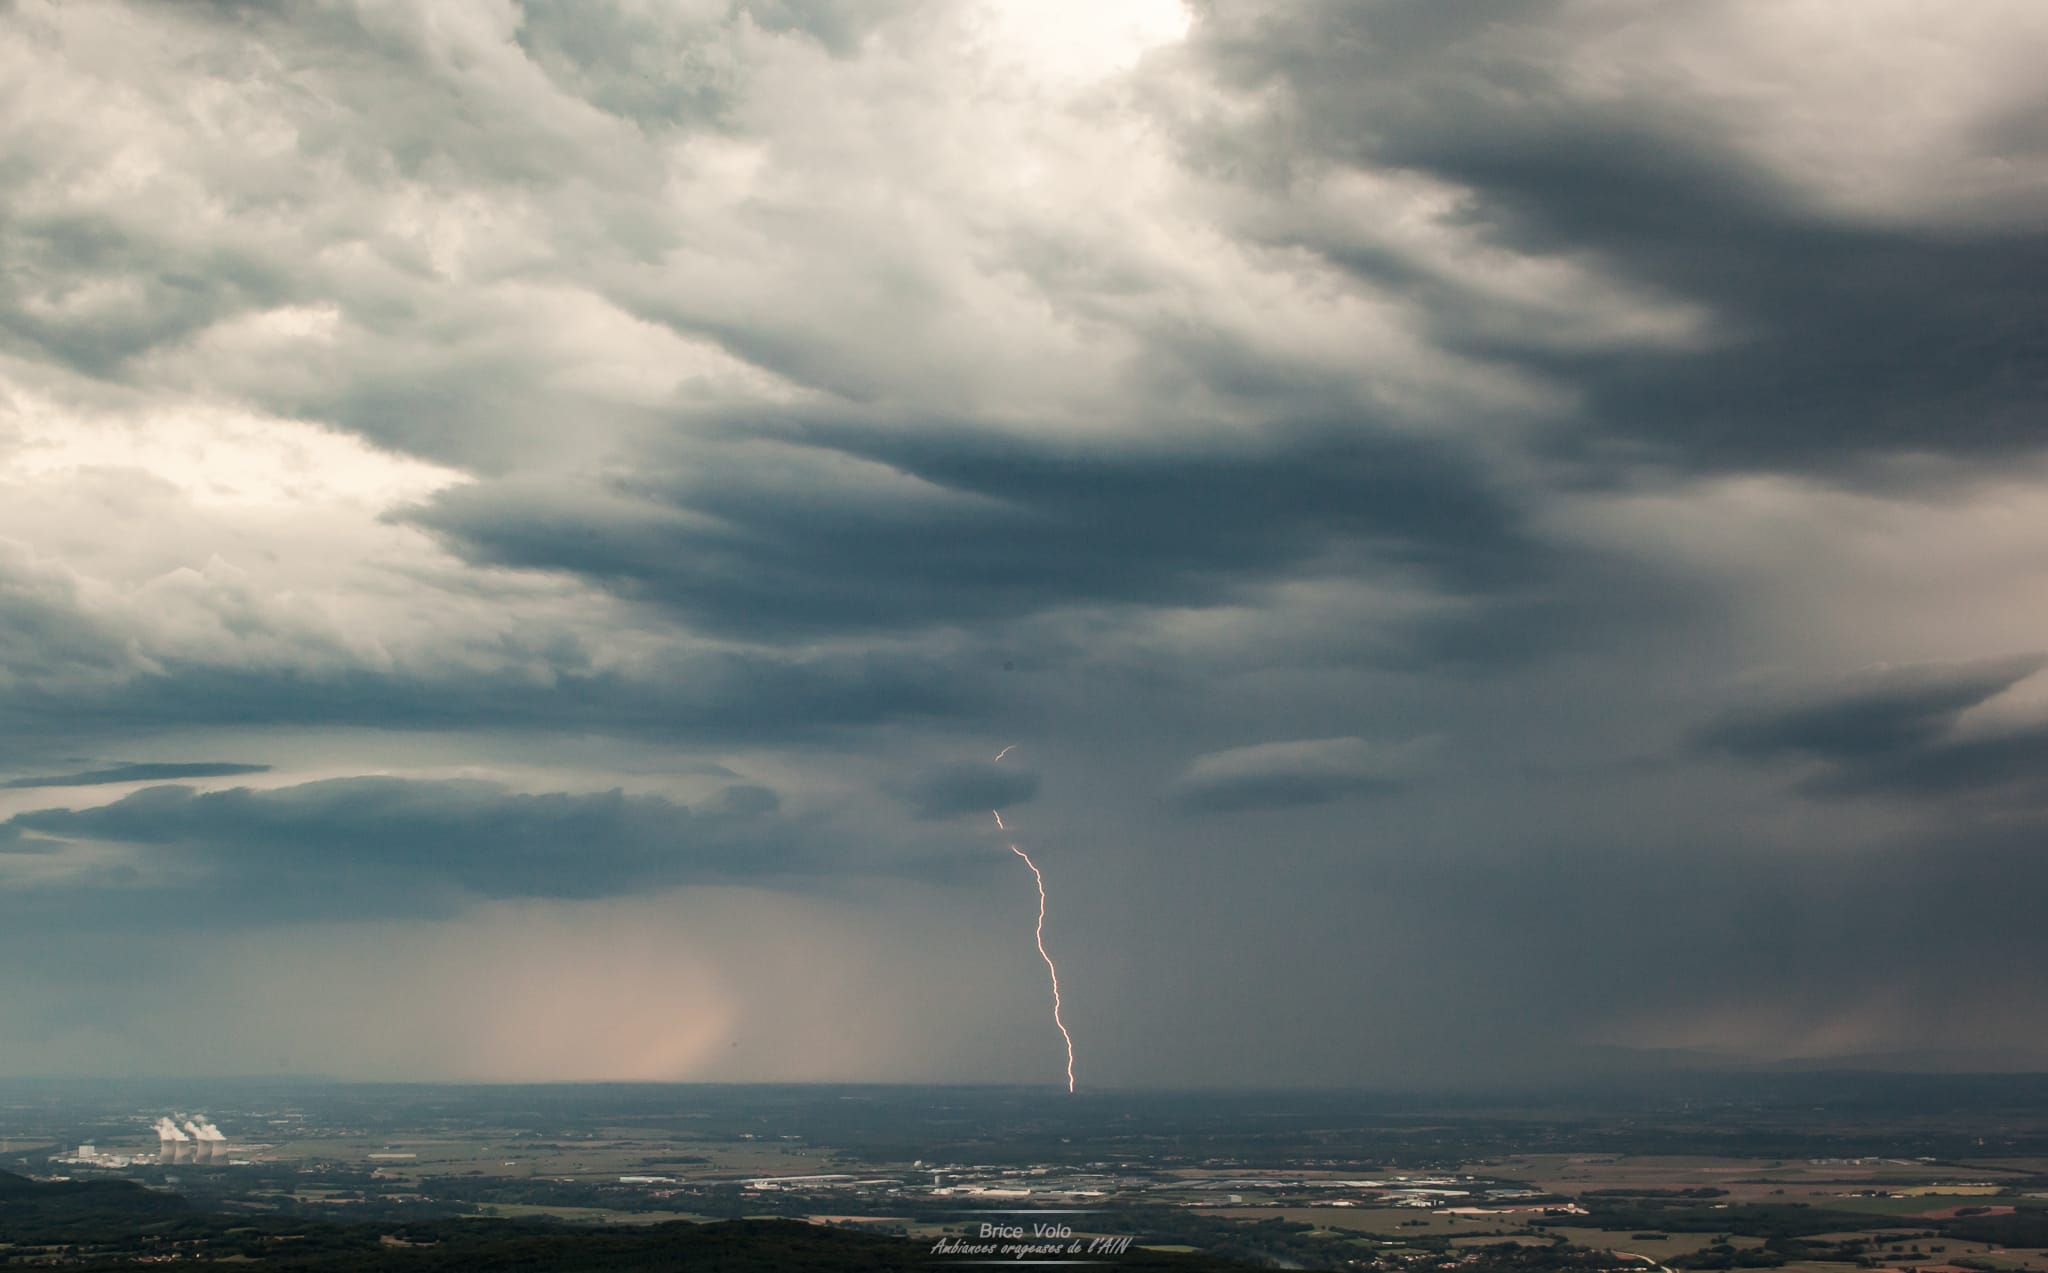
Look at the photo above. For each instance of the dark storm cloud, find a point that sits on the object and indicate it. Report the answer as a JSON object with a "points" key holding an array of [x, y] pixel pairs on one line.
{"points": [[1893, 732], [1848, 343], [1838, 339], [1875, 714], [728, 695], [372, 837], [969, 787], [1282, 775], [849, 529], [149, 772]]}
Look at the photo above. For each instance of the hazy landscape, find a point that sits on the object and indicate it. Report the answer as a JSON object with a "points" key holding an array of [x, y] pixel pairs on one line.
{"points": [[1819, 1173]]}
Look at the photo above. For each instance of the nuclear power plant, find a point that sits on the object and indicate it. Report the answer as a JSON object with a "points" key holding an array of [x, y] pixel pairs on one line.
{"points": [[196, 1141]]}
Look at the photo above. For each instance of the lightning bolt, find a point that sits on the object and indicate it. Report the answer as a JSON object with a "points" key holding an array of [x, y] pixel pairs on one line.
{"points": [[1052, 969]]}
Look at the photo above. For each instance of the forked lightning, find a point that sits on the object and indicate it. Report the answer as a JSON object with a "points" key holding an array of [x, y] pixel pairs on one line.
{"points": [[1051, 969]]}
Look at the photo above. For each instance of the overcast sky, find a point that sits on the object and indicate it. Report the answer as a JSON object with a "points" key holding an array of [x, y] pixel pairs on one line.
{"points": [[1504, 535]]}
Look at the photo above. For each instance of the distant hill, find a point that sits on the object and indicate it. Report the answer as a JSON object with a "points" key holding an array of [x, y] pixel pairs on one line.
{"points": [[20, 1196], [109, 1224]]}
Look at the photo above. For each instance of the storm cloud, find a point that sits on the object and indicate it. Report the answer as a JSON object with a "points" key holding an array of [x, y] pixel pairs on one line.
{"points": [[348, 836], [1896, 731], [1824, 308], [1449, 493], [147, 771], [917, 530]]}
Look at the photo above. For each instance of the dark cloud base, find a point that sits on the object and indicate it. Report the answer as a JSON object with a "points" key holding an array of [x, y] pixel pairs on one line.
{"points": [[145, 772], [384, 841], [1893, 733], [977, 526], [1840, 341]]}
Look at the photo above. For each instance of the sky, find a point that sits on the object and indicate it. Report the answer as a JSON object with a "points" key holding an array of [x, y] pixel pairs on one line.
{"points": [[1508, 539]]}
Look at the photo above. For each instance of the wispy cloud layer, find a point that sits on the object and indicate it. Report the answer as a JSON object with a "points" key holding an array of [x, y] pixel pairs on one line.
{"points": [[158, 771]]}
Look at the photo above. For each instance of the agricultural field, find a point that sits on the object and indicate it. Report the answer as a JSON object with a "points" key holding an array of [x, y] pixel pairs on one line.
{"points": [[1311, 1180]]}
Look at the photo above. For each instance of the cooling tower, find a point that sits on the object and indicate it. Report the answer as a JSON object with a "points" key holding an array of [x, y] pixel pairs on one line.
{"points": [[171, 1141], [208, 1145]]}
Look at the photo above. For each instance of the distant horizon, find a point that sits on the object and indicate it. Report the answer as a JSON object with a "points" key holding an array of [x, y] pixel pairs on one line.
{"points": [[1553, 1084]]}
